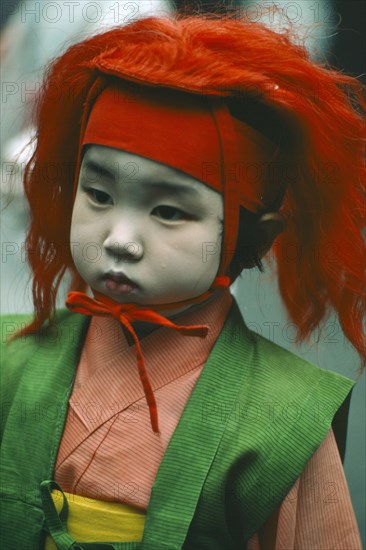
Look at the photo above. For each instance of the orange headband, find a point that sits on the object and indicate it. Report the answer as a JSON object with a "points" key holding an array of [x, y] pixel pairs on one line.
{"points": [[192, 133]]}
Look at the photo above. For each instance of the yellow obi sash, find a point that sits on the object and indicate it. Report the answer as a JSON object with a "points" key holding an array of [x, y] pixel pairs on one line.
{"points": [[92, 520]]}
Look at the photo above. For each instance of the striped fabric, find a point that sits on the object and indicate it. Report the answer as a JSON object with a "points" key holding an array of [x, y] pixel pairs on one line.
{"points": [[317, 513], [108, 450], [108, 407]]}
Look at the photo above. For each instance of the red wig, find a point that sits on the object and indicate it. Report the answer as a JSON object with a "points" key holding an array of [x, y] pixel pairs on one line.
{"points": [[324, 199]]}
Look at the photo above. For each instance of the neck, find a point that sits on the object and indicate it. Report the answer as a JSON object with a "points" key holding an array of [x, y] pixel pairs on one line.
{"points": [[190, 308], [144, 328]]}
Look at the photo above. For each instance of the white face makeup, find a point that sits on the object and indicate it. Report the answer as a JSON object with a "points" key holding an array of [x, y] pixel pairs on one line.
{"points": [[141, 230]]}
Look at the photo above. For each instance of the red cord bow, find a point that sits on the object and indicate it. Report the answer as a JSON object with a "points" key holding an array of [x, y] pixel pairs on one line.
{"points": [[79, 302]]}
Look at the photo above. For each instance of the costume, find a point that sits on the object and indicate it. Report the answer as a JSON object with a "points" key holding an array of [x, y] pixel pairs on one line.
{"points": [[219, 479], [222, 475]]}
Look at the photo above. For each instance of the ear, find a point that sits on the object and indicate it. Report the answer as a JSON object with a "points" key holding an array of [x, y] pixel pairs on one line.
{"points": [[270, 225]]}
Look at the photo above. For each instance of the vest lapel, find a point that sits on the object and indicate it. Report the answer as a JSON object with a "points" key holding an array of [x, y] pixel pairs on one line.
{"points": [[38, 411], [194, 444]]}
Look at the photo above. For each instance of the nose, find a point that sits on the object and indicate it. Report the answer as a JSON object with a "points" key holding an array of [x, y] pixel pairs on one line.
{"points": [[124, 243]]}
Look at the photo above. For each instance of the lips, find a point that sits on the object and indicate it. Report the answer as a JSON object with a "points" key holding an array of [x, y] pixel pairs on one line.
{"points": [[118, 282]]}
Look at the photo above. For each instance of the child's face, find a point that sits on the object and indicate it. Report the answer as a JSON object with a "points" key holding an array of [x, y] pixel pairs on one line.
{"points": [[146, 221]]}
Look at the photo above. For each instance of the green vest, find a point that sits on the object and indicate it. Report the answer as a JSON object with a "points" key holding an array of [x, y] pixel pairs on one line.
{"points": [[254, 418]]}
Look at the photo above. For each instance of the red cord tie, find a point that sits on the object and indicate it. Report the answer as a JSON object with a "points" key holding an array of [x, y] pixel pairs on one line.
{"points": [[79, 302]]}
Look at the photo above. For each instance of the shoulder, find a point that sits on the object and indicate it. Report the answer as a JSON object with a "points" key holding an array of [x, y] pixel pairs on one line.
{"points": [[288, 367], [268, 362], [276, 376], [324, 388], [16, 352], [11, 324], [65, 328]]}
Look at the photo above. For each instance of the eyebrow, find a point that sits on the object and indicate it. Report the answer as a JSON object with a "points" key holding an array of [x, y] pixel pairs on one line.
{"points": [[180, 188], [174, 187], [99, 169]]}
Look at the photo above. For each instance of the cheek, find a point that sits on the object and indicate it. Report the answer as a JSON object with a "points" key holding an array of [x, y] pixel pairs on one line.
{"points": [[73, 230], [198, 252], [210, 257], [75, 233], [210, 246], [80, 234], [83, 224]]}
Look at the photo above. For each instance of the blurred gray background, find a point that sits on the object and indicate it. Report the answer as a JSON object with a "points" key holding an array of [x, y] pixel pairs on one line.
{"points": [[34, 32]]}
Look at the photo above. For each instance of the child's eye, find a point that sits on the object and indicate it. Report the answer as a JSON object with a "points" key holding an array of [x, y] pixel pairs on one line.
{"points": [[170, 213], [97, 196]]}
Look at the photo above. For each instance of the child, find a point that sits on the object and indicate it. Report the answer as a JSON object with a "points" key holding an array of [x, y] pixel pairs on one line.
{"points": [[148, 414]]}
